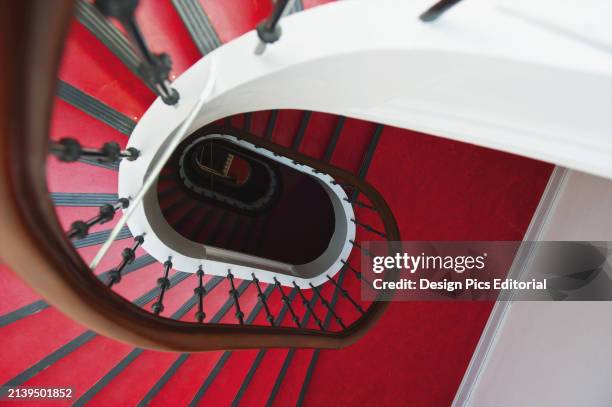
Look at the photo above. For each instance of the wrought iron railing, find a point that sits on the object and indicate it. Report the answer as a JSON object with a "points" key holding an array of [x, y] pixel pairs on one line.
{"points": [[45, 256]]}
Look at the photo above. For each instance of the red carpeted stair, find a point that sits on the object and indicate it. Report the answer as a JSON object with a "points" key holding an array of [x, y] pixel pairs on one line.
{"points": [[437, 189]]}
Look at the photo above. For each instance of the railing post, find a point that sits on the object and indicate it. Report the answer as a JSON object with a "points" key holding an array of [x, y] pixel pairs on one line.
{"points": [[346, 295], [328, 306], [164, 284], [435, 11], [308, 307], [269, 31], [155, 67], [80, 229], [287, 302], [200, 291], [70, 150], [128, 254], [262, 298], [234, 293]]}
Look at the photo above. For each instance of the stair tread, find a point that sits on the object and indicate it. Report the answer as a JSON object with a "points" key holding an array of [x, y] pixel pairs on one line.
{"points": [[121, 89]]}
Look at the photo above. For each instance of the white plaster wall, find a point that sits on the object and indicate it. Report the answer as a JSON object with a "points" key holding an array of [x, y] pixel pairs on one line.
{"points": [[554, 353]]}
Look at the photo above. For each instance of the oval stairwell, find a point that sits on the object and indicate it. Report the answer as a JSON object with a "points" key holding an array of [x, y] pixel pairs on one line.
{"points": [[399, 184]]}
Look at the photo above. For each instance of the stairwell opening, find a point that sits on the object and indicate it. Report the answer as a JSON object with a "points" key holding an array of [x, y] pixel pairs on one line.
{"points": [[216, 192]]}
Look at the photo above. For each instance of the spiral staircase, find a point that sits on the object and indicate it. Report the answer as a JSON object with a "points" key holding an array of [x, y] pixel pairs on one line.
{"points": [[263, 334]]}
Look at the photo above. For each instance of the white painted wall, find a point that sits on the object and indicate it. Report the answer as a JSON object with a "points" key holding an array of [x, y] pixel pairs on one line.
{"points": [[551, 353]]}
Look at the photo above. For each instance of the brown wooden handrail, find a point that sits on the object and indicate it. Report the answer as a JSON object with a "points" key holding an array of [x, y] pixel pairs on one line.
{"points": [[34, 245]]}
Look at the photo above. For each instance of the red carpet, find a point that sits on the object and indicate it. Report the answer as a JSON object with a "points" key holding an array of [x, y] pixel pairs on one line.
{"points": [[437, 189]]}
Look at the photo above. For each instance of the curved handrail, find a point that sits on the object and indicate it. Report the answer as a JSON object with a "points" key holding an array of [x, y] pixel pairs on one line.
{"points": [[35, 246]]}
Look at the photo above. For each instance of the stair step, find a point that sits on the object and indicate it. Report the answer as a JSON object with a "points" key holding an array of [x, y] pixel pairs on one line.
{"points": [[97, 356], [16, 293], [286, 127], [318, 134], [293, 378], [231, 19], [68, 121], [30, 339], [121, 89], [163, 28], [352, 144]]}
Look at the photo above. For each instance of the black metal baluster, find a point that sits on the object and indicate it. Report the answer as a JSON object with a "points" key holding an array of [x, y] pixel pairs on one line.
{"points": [[262, 299], [128, 255], [327, 305], [359, 203], [155, 67], [269, 31], [346, 295], [80, 229], [348, 265], [363, 249], [297, 141], [70, 150], [369, 228], [200, 291], [164, 284], [239, 314], [287, 302], [307, 304], [435, 11]]}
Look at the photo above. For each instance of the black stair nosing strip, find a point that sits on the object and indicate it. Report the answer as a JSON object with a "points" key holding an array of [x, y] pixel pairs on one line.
{"points": [[40, 305], [109, 35], [82, 199], [114, 166], [95, 108], [226, 355], [248, 378], [89, 16], [23, 312], [331, 146], [248, 120], [368, 157], [181, 359], [77, 342], [163, 380], [280, 377], [210, 378], [270, 125], [297, 141], [47, 361], [260, 355], [288, 359], [327, 321], [108, 377], [209, 217], [198, 25], [127, 360], [308, 378], [100, 237]]}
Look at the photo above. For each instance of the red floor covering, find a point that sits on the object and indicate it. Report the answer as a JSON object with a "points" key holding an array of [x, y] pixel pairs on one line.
{"points": [[437, 189]]}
